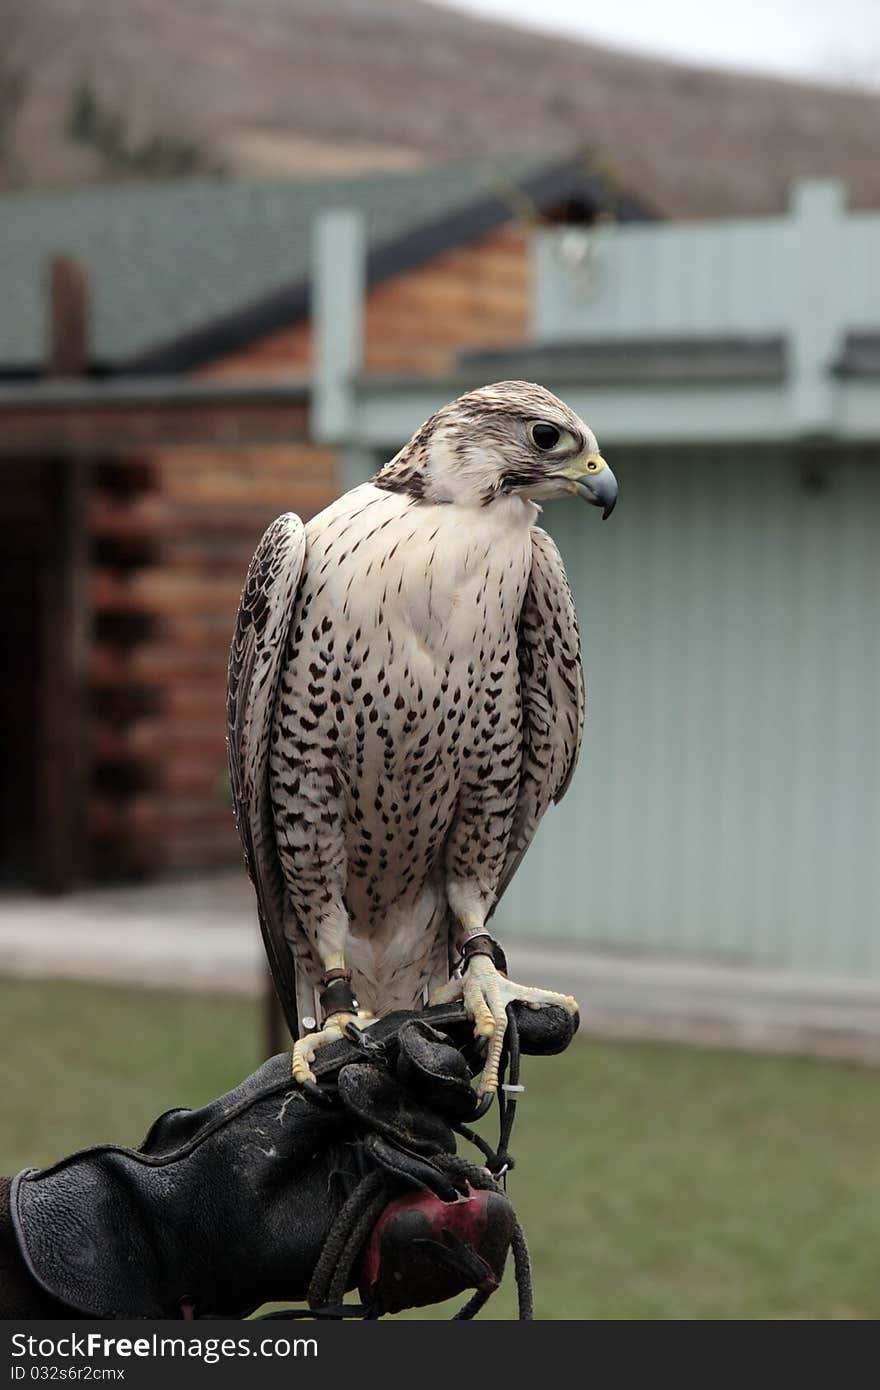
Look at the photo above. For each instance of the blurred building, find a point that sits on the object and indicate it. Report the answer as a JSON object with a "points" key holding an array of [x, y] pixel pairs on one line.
{"points": [[155, 417]]}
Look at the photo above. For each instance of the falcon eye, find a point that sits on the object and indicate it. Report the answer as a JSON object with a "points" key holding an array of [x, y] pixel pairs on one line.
{"points": [[544, 436]]}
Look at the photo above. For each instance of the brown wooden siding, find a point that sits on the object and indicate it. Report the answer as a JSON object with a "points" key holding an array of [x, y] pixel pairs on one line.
{"points": [[36, 429], [275, 356], [172, 534], [474, 296]]}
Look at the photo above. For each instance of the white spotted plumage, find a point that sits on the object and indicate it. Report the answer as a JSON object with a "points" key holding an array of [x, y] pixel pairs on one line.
{"points": [[406, 699]]}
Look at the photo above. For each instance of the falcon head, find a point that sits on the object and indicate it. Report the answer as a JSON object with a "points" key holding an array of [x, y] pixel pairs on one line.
{"points": [[510, 439]]}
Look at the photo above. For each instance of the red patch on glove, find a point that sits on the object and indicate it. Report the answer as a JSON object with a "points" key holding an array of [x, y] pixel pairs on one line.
{"points": [[423, 1250]]}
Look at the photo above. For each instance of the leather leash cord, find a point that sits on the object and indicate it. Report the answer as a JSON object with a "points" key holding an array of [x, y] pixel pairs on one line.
{"points": [[356, 1218]]}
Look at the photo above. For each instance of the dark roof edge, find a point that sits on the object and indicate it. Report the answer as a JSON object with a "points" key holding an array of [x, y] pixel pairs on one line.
{"points": [[721, 360], [59, 393], [646, 360], [860, 356], [287, 306]]}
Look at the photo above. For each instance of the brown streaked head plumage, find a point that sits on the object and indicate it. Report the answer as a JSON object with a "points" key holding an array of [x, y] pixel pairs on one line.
{"points": [[508, 437]]}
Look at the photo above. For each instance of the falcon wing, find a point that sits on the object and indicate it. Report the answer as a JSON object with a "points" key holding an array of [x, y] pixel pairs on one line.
{"points": [[258, 646], [551, 696]]}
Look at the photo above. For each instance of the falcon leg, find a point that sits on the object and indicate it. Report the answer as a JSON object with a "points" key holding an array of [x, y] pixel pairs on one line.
{"points": [[339, 1008], [475, 858], [486, 994], [312, 850], [306, 1049]]}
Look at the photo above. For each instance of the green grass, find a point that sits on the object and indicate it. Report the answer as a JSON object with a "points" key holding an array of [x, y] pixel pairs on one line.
{"points": [[653, 1181]]}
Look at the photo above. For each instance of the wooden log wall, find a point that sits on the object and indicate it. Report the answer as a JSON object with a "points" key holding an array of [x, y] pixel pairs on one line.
{"points": [[172, 534]]}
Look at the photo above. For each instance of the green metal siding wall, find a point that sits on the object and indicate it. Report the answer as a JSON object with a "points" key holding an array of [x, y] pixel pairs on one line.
{"points": [[748, 276], [728, 797]]}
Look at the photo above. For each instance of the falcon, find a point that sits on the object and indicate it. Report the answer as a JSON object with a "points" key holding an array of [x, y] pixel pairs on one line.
{"points": [[405, 701]]}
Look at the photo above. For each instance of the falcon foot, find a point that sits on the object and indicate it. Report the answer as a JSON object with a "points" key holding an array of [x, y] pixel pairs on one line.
{"points": [[306, 1049], [486, 993]]}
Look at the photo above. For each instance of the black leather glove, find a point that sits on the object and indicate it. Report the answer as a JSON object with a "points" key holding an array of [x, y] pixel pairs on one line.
{"points": [[224, 1207], [227, 1207]]}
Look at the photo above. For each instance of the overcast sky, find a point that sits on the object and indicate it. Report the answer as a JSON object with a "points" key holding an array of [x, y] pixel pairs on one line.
{"points": [[832, 39]]}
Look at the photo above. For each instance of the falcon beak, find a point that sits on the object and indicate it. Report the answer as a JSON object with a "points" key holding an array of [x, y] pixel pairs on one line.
{"points": [[591, 477]]}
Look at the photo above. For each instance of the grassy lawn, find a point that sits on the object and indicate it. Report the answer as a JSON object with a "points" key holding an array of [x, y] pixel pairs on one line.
{"points": [[653, 1181]]}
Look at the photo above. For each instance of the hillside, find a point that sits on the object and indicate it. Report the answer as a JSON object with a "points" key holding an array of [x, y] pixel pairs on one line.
{"points": [[292, 86]]}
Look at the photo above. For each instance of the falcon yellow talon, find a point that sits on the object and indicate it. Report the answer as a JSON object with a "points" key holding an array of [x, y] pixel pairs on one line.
{"points": [[306, 1049], [301, 1069]]}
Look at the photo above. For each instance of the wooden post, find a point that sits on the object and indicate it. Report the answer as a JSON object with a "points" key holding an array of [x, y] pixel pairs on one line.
{"points": [[63, 760], [275, 1035], [68, 320]]}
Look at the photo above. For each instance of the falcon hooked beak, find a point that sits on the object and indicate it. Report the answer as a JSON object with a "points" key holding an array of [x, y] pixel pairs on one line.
{"points": [[591, 477]]}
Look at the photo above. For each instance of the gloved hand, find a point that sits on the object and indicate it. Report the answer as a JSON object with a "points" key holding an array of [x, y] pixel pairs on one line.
{"points": [[224, 1207], [229, 1206]]}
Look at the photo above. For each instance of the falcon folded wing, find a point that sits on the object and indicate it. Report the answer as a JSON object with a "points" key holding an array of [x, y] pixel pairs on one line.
{"points": [[255, 658], [552, 697]]}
